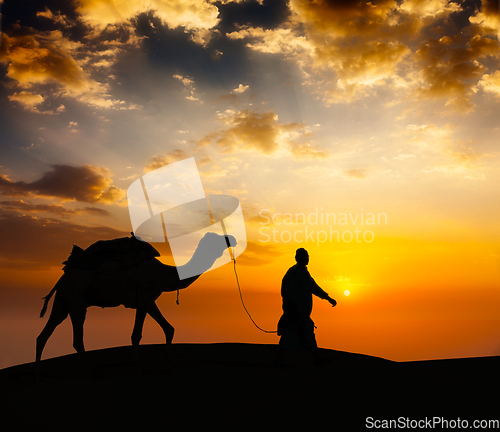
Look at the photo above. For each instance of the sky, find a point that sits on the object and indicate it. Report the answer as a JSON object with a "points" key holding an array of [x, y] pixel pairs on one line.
{"points": [[365, 132]]}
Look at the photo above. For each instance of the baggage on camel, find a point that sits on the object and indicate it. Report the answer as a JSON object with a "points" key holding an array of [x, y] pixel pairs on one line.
{"points": [[110, 256]]}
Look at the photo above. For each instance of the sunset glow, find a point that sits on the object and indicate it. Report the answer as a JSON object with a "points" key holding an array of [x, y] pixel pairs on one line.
{"points": [[365, 132]]}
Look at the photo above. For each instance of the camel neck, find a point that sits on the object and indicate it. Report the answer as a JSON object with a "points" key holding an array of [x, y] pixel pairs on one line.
{"points": [[200, 262]]}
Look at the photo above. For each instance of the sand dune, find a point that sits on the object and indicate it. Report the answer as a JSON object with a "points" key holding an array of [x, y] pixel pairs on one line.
{"points": [[237, 386]]}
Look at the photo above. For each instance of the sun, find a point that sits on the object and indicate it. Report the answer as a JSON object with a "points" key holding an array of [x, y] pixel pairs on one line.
{"points": [[347, 292]]}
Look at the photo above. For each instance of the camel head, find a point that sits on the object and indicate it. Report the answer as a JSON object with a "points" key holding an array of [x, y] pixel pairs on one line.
{"points": [[216, 243]]}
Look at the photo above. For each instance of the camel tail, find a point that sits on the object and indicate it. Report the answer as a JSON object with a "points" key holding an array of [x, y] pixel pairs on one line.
{"points": [[46, 302]]}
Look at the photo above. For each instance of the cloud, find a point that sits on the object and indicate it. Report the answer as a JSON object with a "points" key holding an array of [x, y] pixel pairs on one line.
{"points": [[361, 66], [356, 173], [241, 89], [263, 133], [48, 60], [188, 82], [346, 49], [342, 18], [40, 58], [450, 69], [57, 209], [491, 83], [28, 100], [343, 47], [161, 160], [32, 243], [236, 95], [487, 21], [308, 151], [189, 85], [86, 184], [197, 16], [56, 18], [429, 8], [442, 152], [249, 130], [273, 41], [464, 153], [112, 195]]}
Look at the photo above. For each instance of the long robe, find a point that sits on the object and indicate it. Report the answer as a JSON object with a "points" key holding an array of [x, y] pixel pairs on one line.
{"points": [[295, 326]]}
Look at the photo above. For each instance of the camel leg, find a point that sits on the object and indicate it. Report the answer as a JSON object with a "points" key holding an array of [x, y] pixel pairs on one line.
{"points": [[155, 313], [140, 316], [57, 316], [78, 319]]}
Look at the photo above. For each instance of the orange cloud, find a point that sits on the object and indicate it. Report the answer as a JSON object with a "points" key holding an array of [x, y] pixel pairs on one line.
{"points": [[249, 130], [308, 151], [161, 160], [356, 173], [28, 100], [347, 48], [262, 132], [57, 17], [491, 83], [85, 184], [452, 71], [196, 16], [343, 18], [343, 47], [429, 8], [42, 58], [487, 21], [241, 89], [273, 41], [189, 85]]}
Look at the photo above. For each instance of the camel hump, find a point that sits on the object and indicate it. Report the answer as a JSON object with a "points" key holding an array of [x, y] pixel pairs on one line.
{"points": [[110, 256], [122, 245]]}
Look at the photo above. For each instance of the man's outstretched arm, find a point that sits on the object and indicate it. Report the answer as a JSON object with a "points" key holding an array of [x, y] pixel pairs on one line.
{"points": [[319, 292]]}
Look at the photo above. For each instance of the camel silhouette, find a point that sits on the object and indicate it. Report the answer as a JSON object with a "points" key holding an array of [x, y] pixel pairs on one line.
{"points": [[136, 287]]}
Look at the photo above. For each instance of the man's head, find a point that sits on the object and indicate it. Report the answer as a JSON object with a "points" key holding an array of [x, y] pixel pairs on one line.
{"points": [[301, 256]]}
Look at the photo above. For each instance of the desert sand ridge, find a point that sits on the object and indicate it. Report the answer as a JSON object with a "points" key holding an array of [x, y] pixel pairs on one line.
{"points": [[238, 379]]}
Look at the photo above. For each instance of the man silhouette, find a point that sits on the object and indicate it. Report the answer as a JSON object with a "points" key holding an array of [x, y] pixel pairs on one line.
{"points": [[295, 326]]}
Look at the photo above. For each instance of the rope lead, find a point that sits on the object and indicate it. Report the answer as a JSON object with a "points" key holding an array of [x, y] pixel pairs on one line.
{"points": [[243, 303]]}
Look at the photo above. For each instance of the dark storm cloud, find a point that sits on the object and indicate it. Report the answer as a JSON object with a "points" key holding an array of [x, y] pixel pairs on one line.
{"points": [[221, 63], [82, 48], [269, 14], [85, 184], [25, 12]]}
